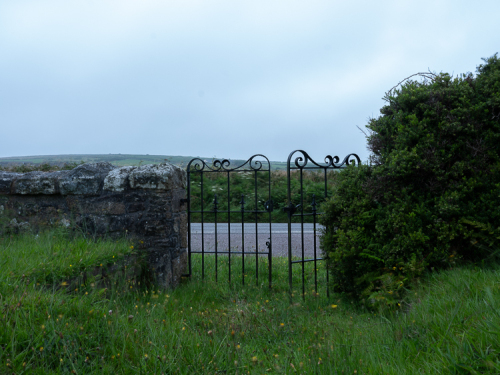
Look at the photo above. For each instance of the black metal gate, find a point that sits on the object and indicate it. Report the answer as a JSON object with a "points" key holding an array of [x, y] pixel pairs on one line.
{"points": [[214, 207], [219, 205], [302, 205]]}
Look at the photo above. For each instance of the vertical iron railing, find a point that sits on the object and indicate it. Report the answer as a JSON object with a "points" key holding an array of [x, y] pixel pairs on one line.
{"points": [[253, 166], [303, 163]]}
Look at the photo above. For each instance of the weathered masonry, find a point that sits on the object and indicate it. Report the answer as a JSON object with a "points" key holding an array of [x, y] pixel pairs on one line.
{"points": [[140, 202]]}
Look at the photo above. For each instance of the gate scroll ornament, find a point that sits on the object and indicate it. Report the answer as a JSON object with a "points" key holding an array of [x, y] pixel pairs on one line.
{"points": [[303, 162]]}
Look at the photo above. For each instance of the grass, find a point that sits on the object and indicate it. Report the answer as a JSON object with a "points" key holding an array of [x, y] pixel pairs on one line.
{"points": [[52, 255], [449, 323]]}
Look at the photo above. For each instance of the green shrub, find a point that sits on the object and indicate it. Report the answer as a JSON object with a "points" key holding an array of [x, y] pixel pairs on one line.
{"points": [[243, 183], [431, 190], [42, 167]]}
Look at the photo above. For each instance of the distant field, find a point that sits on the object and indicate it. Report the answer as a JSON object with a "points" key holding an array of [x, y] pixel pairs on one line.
{"points": [[115, 159]]}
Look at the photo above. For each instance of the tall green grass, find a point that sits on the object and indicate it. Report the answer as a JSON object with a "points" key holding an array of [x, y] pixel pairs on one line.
{"points": [[449, 323], [56, 254]]}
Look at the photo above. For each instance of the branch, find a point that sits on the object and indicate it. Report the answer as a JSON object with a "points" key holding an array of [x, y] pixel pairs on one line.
{"points": [[427, 75], [362, 131]]}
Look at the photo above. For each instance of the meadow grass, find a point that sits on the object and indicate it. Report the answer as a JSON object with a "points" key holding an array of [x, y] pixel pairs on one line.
{"points": [[56, 254], [449, 323]]}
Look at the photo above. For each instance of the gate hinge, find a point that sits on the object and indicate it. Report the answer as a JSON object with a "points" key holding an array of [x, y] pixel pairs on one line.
{"points": [[184, 200]]}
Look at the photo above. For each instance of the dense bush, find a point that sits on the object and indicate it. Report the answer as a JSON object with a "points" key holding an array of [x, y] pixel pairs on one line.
{"points": [[432, 192]]}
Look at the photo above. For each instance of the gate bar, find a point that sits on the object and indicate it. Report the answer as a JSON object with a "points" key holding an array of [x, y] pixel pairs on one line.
{"points": [[301, 163], [199, 166]]}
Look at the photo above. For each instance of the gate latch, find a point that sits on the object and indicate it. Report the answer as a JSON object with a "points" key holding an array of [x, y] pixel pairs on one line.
{"points": [[269, 206], [184, 200], [291, 209]]}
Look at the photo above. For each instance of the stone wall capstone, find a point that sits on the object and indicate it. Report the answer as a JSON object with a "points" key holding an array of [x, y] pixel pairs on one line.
{"points": [[143, 203]]}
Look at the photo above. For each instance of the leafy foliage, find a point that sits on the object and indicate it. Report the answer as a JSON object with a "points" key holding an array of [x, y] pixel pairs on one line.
{"points": [[432, 189], [254, 188]]}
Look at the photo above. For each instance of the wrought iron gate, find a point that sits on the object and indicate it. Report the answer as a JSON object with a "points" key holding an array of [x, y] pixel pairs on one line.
{"points": [[252, 206], [303, 205], [256, 205]]}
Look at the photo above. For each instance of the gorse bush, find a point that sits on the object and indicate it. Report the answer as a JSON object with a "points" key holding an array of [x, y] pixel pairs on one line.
{"points": [[432, 193]]}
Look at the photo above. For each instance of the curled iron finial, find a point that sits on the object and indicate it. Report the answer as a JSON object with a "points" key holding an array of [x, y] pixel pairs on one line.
{"points": [[255, 164], [196, 165], [351, 159], [219, 165], [303, 160], [331, 161]]}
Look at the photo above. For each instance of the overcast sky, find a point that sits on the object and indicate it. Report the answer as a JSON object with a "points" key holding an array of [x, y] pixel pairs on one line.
{"points": [[227, 78]]}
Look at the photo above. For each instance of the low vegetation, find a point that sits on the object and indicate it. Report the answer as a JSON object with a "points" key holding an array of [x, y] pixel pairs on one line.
{"points": [[115, 159], [42, 167], [431, 194], [447, 324], [253, 188]]}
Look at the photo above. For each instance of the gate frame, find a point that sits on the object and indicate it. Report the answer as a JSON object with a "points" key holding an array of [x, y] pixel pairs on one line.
{"points": [[198, 165], [301, 162]]}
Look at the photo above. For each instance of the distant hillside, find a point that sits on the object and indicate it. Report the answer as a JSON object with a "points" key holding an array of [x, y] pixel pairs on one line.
{"points": [[115, 159]]}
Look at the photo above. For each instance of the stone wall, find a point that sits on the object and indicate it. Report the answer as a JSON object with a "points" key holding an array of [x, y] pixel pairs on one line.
{"points": [[143, 203]]}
